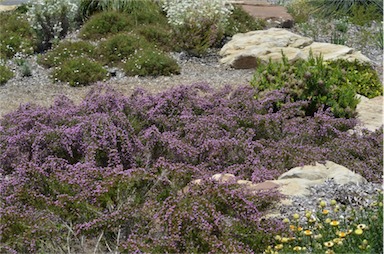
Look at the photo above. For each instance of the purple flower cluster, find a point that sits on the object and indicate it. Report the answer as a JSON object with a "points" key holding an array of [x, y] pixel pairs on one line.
{"points": [[113, 168]]}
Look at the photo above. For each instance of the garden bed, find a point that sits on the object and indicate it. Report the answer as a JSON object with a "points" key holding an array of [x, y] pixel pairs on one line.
{"points": [[125, 164]]}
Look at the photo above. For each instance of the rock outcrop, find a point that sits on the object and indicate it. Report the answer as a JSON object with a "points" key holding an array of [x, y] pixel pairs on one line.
{"points": [[246, 50]]}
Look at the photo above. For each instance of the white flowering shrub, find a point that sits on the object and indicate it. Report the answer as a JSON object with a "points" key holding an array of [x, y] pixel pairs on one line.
{"points": [[198, 24], [52, 19]]}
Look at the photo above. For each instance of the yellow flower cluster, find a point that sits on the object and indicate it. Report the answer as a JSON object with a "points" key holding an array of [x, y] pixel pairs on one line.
{"points": [[323, 231]]}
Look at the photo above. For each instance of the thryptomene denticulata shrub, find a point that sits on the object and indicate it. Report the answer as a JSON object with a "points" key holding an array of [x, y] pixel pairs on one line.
{"points": [[158, 35], [79, 71], [104, 24], [151, 62], [16, 35], [64, 51], [119, 47], [115, 173], [141, 11], [197, 25], [333, 84], [52, 20], [5, 74]]}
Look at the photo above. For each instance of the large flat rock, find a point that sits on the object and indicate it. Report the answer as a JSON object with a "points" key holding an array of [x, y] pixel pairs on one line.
{"points": [[244, 50]]}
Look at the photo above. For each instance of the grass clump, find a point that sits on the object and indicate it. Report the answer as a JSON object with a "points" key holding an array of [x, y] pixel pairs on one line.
{"points": [[119, 47], [5, 74], [65, 51], [16, 35], [327, 230], [151, 62], [104, 24], [332, 84], [359, 11], [79, 71]]}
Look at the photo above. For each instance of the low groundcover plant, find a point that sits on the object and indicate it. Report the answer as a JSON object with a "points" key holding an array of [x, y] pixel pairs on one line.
{"points": [[110, 174]]}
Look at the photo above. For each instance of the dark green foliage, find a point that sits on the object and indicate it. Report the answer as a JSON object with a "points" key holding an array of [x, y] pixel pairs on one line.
{"points": [[196, 39], [119, 47], [241, 22], [373, 9], [159, 35], [151, 62], [141, 11], [332, 84], [104, 24], [64, 51], [80, 71], [5, 74], [16, 35]]}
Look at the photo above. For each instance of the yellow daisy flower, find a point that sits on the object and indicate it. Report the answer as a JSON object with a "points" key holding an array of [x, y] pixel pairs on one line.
{"points": [[323, 203], [308, 232], [334, 223], [325, 211], [342, 234], [358, 231], [328, 244], [279, 247], [362, 226], [284, 240], [297, 248], [296, 216], [328, 220]]}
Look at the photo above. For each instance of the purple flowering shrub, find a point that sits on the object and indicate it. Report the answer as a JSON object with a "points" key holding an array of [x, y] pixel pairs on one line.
{"points": [[110, 174]]}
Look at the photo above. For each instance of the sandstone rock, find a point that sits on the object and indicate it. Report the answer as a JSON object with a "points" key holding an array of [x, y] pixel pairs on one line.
{"points": [[370, 113], [331, 51], [295, 186], [275, 15], [7, 7], [223, 178], [321, 172], [246, 49]]}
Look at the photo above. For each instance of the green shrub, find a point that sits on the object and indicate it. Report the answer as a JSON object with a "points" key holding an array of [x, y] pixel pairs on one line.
{"points": [[362, 76], [80, 71], [64, 51], [141, 11], [364, 14], [52, 20], [104, 24], [119, 47], [16, 35], [151, 62], [241, 22], [159, 35], [351, 8], [300, 10], [333, 84], [5, 74], [197, 25], [25, 67]]}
